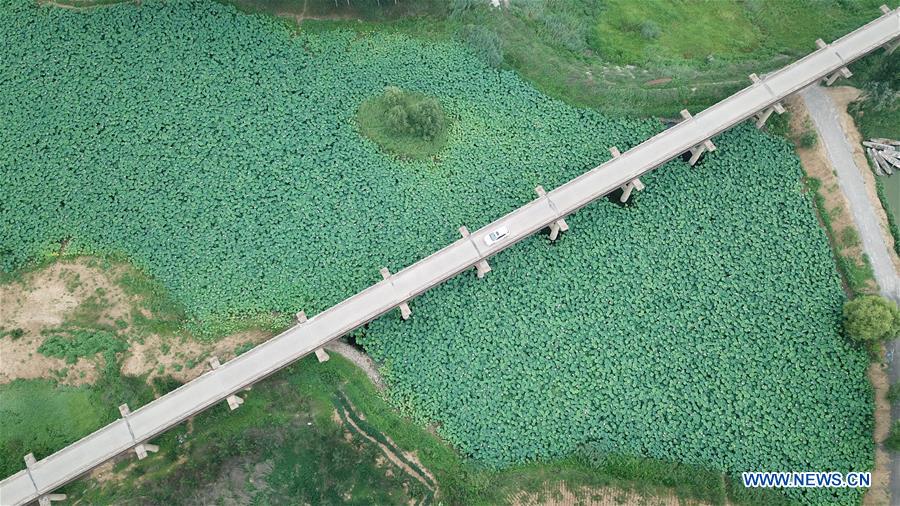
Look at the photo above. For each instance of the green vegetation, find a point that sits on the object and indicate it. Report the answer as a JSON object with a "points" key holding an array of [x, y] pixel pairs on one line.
{"points": [[695, 323], [875, 115], [42, 417], [871, 318], [648, 57], [288, 423], [893, 440], [857, 275], [893, 394], [408, 124], [229, 195], [74, 343], [708, 301]]}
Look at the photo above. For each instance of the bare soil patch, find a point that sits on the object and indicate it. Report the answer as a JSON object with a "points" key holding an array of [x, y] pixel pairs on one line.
{"points": [[43, 300], [560, 494]]}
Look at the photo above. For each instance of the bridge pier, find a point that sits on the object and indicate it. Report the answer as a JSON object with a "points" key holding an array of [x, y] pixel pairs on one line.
{"points": [[405, 311], [763, 116], [142, 448], [634, 184], [482, 267], [699, 149], [321, 354], [233, 400], [45, 499], [557, 226], [841, 72]]}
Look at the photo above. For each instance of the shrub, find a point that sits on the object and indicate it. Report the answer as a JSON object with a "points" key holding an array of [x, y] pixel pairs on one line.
{"points": [[808, 139], [650, 30], [486, 43], [405, 123], [76, 343], [871, 318]]}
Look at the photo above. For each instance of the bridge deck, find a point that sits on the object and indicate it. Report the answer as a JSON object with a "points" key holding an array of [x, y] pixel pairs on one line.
{"points": [[67, 464]]}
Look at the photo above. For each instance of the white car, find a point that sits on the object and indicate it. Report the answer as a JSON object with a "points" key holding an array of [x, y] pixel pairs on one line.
{"points": [[496, 235]]}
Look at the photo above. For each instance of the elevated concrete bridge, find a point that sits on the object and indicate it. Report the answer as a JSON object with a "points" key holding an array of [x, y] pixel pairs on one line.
{"points": [[225, 381]]}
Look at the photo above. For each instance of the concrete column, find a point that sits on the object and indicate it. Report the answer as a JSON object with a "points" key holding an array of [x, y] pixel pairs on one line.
{"points": [[763, 116], [322, 355], [890, 47], [841, 72], [482, 267], [557, 226], [142, 448], [405, 311], [697, 150], [233, 400], [45, 499], [634, 184]]}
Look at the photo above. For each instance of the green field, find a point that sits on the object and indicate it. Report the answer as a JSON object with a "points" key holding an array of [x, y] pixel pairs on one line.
{"points": [[227, 173], [283, 446], [676, 328], [41, 417]]}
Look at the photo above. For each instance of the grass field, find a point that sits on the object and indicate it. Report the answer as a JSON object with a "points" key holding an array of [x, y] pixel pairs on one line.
{"points": [[41, 417], [652, 57], [284, 445]]}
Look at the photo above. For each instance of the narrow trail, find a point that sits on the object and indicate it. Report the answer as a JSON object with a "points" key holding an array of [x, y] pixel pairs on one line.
{"points": [[840, 153]]}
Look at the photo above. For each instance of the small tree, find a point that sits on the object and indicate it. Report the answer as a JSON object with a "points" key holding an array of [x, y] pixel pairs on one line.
{"points": [[871, 318]]}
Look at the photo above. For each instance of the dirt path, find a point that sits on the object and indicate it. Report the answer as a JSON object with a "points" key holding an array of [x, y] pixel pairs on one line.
{"points": [[825, 117]]}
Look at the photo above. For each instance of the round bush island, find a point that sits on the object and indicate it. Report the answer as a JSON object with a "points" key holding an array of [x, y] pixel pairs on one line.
{"points": [[404, 123]]}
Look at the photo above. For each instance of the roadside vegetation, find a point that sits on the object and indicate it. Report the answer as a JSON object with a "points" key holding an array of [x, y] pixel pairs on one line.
{"points": [[875, 114], [652, 57]]}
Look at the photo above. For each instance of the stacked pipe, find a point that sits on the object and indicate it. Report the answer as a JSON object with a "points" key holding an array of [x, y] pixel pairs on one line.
{"points": [[885, 155]]}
